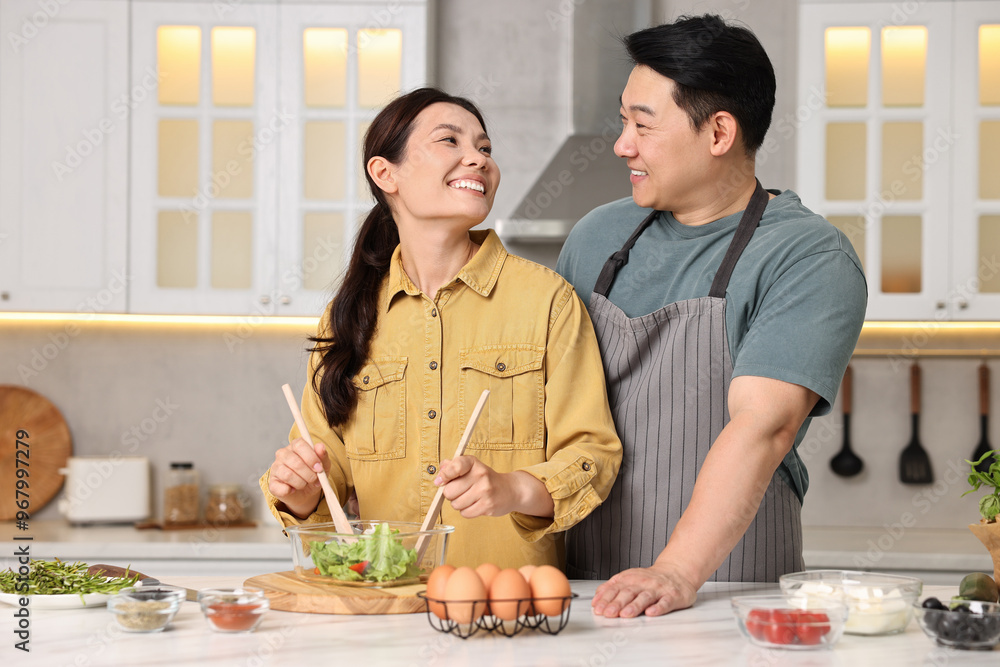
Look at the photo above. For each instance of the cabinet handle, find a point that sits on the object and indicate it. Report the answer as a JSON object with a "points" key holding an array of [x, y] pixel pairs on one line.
{"points": [[963, 304], [940, 305], [265, 299], [286, 300], [4, 296]]}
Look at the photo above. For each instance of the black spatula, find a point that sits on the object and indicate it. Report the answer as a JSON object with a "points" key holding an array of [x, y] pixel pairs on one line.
{"points": [[914, 464], [984, 416], [846, 463]]}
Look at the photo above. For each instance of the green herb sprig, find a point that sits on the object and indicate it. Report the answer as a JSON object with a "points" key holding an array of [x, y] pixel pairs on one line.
{"points": [[989, 505], [58, 578]]}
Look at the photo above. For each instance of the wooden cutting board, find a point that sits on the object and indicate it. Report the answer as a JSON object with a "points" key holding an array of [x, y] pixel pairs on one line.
{"points": [[46, 448], [287, 592]]}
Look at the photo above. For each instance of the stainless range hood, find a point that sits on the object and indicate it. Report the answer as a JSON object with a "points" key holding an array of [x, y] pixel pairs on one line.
{"points": [[584, 171]]}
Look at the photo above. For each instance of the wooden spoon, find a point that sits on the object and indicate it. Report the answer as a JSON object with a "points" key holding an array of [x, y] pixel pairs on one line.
{"points": [[424, 540], [336, 510]]}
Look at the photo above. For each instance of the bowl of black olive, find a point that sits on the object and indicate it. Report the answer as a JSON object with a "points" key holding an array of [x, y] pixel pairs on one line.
{"points": [[962, 624]]}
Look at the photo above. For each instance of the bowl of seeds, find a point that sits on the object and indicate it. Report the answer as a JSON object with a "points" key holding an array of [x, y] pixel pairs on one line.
{"points": [[146, 608]]}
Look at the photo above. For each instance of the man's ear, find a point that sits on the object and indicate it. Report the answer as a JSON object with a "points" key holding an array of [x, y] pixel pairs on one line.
{"points": [[382, 172], [724, 133]]}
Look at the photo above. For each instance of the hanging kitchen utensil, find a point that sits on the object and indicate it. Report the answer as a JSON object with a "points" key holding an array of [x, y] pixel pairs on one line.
{"points": [[984, 416], [32, 432], [914, 464], [846, 463]]}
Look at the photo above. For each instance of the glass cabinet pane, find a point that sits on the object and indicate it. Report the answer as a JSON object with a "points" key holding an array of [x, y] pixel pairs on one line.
{"points": [[364, 193], [904, 60], [233, 58], [325, 153], [902, 164], [989, 254], [178, 56], [380, 55], [232, 249], [853, 227], [989, 65], [847, 53], [177, 153], [845, 160], [325, 64], [322, 235], [989, 159], [232, 159], [902, 245], [176, 249]]}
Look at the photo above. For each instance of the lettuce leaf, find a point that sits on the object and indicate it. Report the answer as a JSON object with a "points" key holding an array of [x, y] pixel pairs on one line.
{"points": [[384, 557]]}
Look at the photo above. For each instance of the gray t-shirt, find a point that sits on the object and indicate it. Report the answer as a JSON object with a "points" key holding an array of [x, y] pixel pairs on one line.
{"points": [[794, 306]]}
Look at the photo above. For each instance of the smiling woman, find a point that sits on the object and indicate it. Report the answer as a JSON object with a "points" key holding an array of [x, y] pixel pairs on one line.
{"points": [[431, 313]]}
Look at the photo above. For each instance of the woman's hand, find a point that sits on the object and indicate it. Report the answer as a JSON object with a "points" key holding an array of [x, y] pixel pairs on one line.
{"points": [[294, 476], [475, 489]]}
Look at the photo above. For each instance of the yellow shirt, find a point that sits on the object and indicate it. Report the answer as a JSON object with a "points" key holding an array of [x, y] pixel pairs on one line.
{"points": [[503, 324]]}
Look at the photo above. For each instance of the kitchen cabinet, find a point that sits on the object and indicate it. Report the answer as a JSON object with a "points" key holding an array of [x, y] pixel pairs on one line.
{"points": [[899, 145], [246, 183], [64, 105]]}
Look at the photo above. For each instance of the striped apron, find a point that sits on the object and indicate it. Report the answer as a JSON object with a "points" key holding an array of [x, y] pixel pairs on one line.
{"points": [[668, 376]]}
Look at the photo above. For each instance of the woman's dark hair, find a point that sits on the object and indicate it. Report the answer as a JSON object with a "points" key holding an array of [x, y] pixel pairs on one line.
{"points": [[716, 67], [353, 312]]}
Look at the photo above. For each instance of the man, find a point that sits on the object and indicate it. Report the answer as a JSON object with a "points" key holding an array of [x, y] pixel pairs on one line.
{"points": [[726, 315]]}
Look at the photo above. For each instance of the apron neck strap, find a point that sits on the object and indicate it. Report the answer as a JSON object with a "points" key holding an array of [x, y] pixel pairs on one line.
{"points": [[620, 258], [748, 225]]}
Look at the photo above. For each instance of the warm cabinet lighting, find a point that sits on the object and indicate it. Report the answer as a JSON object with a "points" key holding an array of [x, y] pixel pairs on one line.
{"points": [[846, 153], [325, 64], [233, 57], [902, 168], [847, 51], [904, 60], [177, 153], [176, 250], [989, 164], [232, 160], [989, 252], [902, 249], [989, 65], [380, 54], [232, 250], [178, 56]]}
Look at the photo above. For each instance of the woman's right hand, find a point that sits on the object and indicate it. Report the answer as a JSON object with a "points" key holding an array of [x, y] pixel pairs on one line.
{"points": [[294, 476]]}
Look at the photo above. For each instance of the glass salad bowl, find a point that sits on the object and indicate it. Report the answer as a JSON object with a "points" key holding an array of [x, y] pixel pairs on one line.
{"points": [[378, 553]]}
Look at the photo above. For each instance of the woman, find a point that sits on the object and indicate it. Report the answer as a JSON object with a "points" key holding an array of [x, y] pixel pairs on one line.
{"points": [[428, 316]]}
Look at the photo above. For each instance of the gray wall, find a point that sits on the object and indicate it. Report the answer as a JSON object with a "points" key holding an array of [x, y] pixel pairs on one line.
{"points": [[230, 415]]}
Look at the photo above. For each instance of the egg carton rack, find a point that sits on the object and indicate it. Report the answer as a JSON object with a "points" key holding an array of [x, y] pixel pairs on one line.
{"points": [[479, 610]]}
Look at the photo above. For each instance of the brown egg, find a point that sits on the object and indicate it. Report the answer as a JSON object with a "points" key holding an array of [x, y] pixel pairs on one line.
{"points": [[515, 592], [486, 572], [435, 589], [526, 571], [549, 582], [465, 595]]}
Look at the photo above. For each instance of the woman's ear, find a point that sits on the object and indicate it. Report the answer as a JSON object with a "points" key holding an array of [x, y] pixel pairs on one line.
{"points": [[382, 172]]}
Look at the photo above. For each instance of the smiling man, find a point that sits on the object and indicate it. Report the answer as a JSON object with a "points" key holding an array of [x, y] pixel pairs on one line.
{"points": [[726, 315]]}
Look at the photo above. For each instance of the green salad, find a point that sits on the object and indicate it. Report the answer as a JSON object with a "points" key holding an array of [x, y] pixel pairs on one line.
{"points": [[378, 557]]}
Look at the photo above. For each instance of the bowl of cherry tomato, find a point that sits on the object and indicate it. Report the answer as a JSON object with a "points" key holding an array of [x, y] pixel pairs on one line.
{"points": [[787, 622]]}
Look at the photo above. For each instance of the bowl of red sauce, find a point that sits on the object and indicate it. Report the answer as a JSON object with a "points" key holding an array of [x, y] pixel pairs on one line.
{"points": [[233, 609]]}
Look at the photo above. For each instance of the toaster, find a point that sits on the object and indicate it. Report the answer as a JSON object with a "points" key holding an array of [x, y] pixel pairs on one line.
{"points": [[105, 489]]}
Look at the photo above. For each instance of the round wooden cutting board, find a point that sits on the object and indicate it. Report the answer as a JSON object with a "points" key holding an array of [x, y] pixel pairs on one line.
{"points": [[287, 592], [48, 446]]}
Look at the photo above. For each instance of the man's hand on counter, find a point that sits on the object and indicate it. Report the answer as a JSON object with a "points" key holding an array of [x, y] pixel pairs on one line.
{"points": [[655, 590]]}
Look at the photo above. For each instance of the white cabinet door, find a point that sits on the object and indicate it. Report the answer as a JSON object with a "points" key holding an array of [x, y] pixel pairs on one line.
{"points": [[64, 165], [204, 154]]}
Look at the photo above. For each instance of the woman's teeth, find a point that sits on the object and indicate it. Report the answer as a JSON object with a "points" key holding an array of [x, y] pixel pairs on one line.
{"points": [[469, 185], [636, 172]]}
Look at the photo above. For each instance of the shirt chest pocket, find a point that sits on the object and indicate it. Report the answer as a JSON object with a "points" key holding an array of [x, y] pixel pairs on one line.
{"points": [[514, 415], [377, 430]]}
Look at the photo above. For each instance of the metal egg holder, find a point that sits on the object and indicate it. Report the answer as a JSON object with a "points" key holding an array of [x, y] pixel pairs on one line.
{"points": [[548, 624]]}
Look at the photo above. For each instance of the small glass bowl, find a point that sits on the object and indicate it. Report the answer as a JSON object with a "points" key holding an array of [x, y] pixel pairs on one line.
{"points": [[965, 624], [786, 622], [878, 604], [233, 609], [145, 608]]}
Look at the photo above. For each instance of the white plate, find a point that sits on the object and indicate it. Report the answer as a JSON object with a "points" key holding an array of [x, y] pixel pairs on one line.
{"points": [[71, 601]]}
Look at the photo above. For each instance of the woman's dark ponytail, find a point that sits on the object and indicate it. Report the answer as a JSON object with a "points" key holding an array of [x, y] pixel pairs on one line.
{"points": [[353, 312]]}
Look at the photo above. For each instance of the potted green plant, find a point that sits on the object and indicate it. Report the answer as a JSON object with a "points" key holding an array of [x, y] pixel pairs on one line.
{"points": [[988, 528]]}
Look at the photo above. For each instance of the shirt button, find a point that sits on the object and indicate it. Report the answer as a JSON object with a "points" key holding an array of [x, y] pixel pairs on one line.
{"points": [[501, 366], [432, 414], [431, 470], [365, 380], [586, 465], [434, 312], [433, 365]]}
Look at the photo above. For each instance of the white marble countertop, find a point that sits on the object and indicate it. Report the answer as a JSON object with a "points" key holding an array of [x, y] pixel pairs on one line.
{"points": [[703, 635]]}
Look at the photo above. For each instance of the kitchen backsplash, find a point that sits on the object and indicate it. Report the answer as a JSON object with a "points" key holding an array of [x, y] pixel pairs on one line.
{"points": [[213, 396]]}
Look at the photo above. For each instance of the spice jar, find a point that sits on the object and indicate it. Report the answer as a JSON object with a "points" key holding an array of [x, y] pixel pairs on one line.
{"points": [[180, 503], [224, 505]]}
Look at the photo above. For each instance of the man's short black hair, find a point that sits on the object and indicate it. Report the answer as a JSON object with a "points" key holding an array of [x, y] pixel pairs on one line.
{"points": [[716, 67]]}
